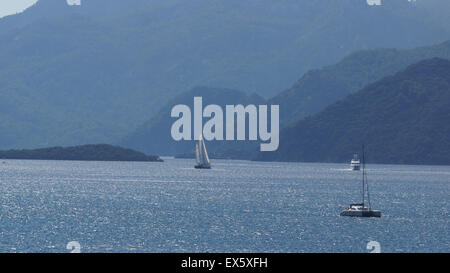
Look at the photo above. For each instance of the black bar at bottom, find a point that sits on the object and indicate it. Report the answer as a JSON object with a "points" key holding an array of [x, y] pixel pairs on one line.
{"points": [[224, 262]]}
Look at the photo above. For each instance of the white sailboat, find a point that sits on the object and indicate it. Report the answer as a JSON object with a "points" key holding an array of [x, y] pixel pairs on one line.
{"points": [[201, 155], [360, 210]]}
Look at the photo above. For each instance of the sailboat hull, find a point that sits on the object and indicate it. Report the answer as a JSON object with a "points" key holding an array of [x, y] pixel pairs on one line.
{"points": [[202, 167], [361, 213]]}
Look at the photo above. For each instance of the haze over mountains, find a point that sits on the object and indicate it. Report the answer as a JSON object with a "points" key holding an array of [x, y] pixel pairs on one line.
{"points": [[155, 135], [313, 92], [402, 119], [318, 88], [93, 73]]}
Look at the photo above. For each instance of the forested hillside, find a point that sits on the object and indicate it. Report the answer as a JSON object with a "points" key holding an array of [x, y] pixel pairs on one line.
{"points": [[93, 73], [402, 119]]}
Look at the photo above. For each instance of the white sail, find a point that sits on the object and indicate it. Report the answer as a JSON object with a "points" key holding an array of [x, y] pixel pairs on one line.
{"points": [[205, 154], [201, 154], [197, 154]]}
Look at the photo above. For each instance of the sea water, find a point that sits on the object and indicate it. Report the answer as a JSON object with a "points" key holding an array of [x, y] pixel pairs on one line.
{"points": [[237, 206]]}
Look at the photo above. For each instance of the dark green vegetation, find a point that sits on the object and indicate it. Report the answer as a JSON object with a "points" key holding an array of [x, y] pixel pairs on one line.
{"points": [[92, 74], [401, 119], [155, 135], [100, 152]]}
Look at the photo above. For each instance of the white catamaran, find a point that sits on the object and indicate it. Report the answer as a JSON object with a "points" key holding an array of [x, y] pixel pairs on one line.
{"points": [[201, 155], [360, 210]]}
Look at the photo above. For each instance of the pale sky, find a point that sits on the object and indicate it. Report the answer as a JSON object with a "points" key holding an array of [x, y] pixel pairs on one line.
{"points": [[8, 7]]}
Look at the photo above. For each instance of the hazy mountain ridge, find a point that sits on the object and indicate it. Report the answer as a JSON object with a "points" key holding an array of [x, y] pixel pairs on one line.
{"points": [[91, 74], [318, 88], [401, 119], [154, 136], [311, 94]]}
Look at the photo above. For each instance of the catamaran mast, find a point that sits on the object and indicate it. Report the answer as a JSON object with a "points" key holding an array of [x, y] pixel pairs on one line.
{"points": [[363, 174], [365, 183]]}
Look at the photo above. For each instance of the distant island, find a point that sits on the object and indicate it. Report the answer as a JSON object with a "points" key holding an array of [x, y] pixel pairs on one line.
{"points": [[97, 152]]}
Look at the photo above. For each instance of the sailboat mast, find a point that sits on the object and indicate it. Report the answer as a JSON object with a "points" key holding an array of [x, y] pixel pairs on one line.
{"points": [[367, 187], [363, 174], [200, 147], [368, 193], [365, 182]]}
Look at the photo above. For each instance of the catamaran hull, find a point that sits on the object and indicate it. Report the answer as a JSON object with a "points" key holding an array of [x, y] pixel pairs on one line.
{"points": [[360, 213], [202, 167]]}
